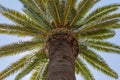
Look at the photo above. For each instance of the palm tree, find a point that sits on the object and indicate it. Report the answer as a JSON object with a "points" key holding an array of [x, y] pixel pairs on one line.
{"points": [[63, 36]]}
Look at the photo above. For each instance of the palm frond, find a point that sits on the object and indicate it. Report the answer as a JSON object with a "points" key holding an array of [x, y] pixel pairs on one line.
{"points": [[35, 75], [70, 4], [45, 70], [40, 72], [72, 15], [101, 19], [100, 12], [43, 16], [53, 6], [109, 17], [103, 46], [97, 62], [31, 65], [83, 70], [37, 14], [18, 30], [98, 25], [83, 7], [22, 19], [13, 68], [16, 48], [99, 34], [62, 5], [42, 5], [115, 26]]}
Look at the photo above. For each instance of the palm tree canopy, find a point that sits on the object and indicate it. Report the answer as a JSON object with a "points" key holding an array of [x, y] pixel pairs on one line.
{"points": [[42, 17]]}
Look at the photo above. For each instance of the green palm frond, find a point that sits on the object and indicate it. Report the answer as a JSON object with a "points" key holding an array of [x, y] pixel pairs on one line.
{"points": [[83, 7], [30, 14], [13, 68], [97, 62], [103, 46], [104, 18], [101, 12], [61, 10], [98, 25], [16, 48], [42, 5], [97, 34], [18, 30], [70, 4], [37, 14], [38, 58], [83, 70], [35, 74], [34, 6], [21, 19], [110, 16], [44, 72], [53, 6], [72, 14], [40, 72], [115, 26]]}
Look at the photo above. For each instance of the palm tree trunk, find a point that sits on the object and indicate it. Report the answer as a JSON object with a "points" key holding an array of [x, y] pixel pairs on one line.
{"points": [[61, 59]]}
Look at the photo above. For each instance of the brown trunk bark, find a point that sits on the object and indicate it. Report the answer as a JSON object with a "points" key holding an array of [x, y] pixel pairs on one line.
{"points": [[61, 54]]}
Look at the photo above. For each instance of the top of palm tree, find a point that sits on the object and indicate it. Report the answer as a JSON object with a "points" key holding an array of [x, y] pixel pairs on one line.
{"points": [[41, 17]]}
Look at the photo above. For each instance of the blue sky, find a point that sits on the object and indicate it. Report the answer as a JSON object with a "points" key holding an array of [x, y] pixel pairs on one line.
{"points": [[112, 60]]}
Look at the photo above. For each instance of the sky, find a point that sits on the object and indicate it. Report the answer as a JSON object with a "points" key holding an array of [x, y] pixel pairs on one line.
{"points": [[112, 59]]}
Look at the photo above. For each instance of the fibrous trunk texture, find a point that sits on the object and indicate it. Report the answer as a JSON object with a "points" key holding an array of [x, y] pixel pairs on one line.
{"points": [[62, 55]]}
